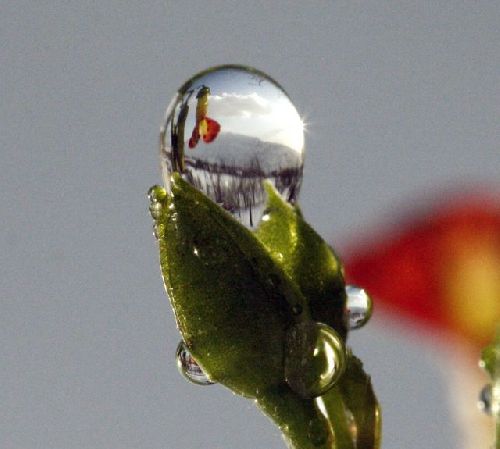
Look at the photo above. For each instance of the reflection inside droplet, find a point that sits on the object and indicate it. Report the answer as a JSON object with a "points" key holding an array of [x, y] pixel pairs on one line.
{"points": [[189, 368], [229, 129], [358, 307]]}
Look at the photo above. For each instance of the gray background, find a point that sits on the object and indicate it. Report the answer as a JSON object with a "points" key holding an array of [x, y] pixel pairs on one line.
{"points": [[401, 100]]}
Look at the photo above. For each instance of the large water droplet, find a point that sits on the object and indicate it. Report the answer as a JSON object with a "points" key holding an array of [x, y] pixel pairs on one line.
{"points": [[315, 358], [484, 401], [358, 307], [226, 131], [189, 368]]}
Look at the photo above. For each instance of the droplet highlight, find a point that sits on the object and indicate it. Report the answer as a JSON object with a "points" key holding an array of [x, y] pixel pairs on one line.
{"points": [[359, 307], [229, 129], [485, 399], [314, 359], [189, 368]]}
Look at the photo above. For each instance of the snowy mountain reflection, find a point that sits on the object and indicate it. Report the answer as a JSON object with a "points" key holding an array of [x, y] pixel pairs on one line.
{"points": [[226, 134]]}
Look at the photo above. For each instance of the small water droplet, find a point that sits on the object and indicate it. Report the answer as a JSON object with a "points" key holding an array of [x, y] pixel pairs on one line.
{"points": [[484, 401], [156, 194], [189, 368], [158, 230], [155, 210], [314, 358], [358, 307], [229, 129]]}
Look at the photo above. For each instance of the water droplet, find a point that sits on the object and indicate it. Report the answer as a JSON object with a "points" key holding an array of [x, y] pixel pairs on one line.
{"points": [[156, 194], [157, 230], [484, 401], [358, 307], [155, 210], [229, 129], [315, 358], [189, 368]]}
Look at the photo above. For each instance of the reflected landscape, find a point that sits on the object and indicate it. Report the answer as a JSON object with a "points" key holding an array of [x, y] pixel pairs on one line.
{"points": [[227, 131]]}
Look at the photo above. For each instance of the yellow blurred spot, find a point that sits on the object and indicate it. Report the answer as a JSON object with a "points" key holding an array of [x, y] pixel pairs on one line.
{"points": [[472, 286]]}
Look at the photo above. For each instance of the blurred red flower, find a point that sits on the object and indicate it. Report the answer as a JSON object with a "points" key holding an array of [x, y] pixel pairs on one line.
{"points": [[440, 268]]}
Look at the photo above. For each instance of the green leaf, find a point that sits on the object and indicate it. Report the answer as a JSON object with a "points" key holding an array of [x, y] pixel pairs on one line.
{"points": [[235, 300], [232, 302], [360, 401], [306, 258]]}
